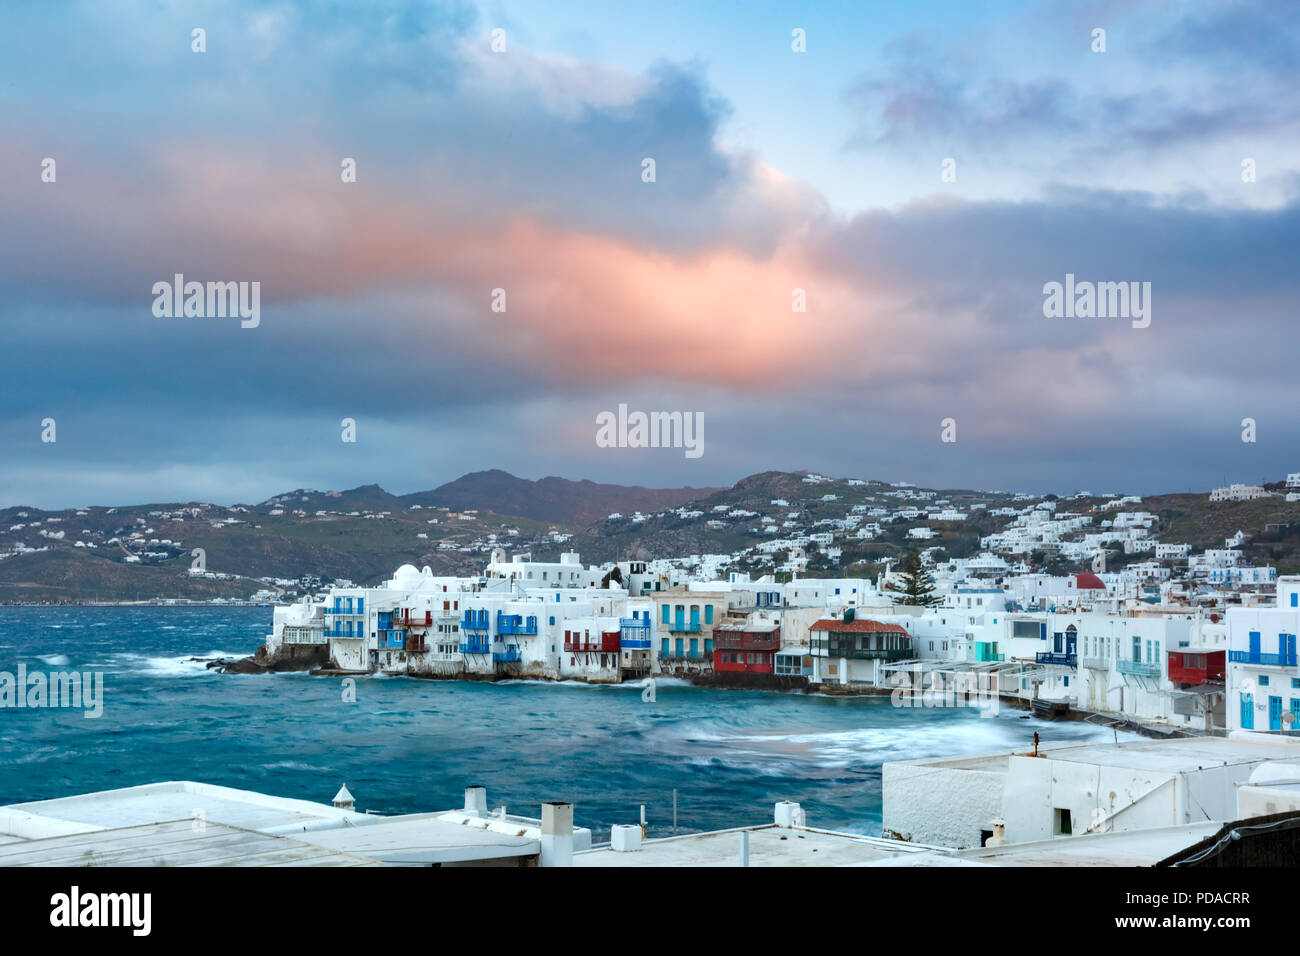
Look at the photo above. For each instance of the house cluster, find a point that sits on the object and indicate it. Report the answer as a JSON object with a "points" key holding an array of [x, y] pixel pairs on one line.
{"points": [[1086, 641], [565, 620]]}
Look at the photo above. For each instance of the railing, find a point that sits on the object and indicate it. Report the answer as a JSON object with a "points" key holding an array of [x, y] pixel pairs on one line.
{"points": [[1138, 668], [405, 619], [471, 622], [1095, 663], [1267, 660], [475, 647], [865, 654], [511, 654], [295, 634], [1051, 657], [337, 631], [608, 644], [686, 654], [684, 627]]}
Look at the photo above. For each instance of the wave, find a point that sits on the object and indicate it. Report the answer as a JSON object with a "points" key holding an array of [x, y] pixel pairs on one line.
{"points": [[55, 660]]}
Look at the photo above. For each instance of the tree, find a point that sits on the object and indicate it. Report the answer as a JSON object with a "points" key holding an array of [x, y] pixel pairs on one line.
{"points": [[918, 585], [615, 575]]}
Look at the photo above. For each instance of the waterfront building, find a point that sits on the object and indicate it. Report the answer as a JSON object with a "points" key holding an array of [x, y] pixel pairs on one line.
{"points": [[1263, 676], [746, 649], [851, 651], [685, 620]]}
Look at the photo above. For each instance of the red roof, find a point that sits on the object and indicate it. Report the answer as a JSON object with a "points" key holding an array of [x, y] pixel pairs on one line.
{"points": [[1087, 581], [831, 624]]}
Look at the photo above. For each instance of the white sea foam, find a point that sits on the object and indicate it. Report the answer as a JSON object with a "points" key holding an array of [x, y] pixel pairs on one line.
{"points": [[55, 660]]}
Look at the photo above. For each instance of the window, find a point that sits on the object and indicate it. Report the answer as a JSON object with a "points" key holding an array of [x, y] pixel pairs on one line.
{"points": [[1061, 823], [1263, 680], [665, 607], [708, 614]]}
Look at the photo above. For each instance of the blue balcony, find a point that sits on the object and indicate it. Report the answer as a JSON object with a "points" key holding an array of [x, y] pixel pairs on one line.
{"points": [[392, 640], [1266, 660], [474, 621], [634, 634], [1049, 657], [338, 631], [476, 647], [516, 624], [510, 653], [1138, 668], [680, 626]]}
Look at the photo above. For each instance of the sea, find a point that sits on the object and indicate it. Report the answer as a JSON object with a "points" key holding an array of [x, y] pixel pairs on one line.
{"points": [[411, 745]]}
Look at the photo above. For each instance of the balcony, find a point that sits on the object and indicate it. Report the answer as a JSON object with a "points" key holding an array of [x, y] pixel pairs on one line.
{"points": [[608, 644], [516, 624], [1138, 668], [507, 654], [746, 641], [680, 626], [405, 617], [1051, 657], [472, 622], [1264, 660], [337, 631], [1096, 663], [634, 634], [864, 654], [476, 647]]}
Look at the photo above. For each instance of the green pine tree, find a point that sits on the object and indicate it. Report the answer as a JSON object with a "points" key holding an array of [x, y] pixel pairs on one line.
{"points": [[918, 584]]}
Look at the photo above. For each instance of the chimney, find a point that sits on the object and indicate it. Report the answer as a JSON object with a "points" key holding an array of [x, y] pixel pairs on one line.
{"points": [[999, 837], [789, 814], [476, 801], [344, 800], [557, 834]]}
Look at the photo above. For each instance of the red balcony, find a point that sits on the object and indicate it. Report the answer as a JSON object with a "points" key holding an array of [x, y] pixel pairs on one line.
{"points": [[1200, 667], [607, 644], [739, 640], [405, 617]]}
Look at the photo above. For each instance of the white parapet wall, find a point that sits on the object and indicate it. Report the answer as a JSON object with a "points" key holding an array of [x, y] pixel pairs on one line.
{"points": [[948, 802]]}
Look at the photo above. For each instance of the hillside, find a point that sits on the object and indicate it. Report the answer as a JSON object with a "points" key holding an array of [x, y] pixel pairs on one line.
{"points": [[550, 499], [296, 541]]}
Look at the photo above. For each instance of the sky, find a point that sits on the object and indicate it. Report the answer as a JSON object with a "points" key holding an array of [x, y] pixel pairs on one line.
{"points": [[916, 174]]}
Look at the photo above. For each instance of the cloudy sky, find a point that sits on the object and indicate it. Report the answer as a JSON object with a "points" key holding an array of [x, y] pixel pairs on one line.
{"points": [[521, 169]]}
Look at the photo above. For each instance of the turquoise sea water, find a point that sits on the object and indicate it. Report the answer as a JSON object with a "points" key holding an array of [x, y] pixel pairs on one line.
{"points": [[413, 745]]}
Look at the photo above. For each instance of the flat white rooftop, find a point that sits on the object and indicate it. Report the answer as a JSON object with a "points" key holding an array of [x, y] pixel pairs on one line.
{"points": [[425, 839], [173, 843], [1179, 755], [1127, 848], [768, 846], [179, 800]]}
